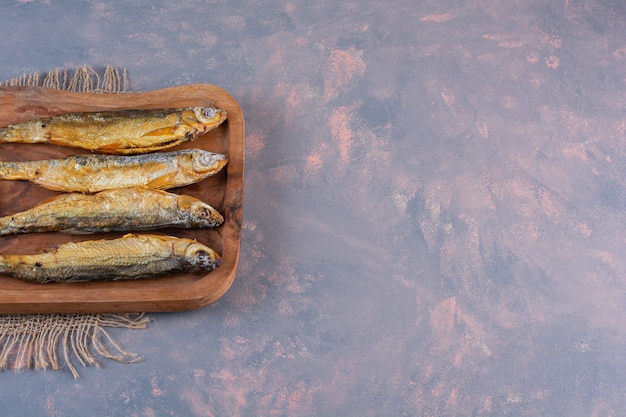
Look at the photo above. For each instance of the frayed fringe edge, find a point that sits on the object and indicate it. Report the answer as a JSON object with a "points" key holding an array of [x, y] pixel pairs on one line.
{"points": [[83, 79], [43, 341]]}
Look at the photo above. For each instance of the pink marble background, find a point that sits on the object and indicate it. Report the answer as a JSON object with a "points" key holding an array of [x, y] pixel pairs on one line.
{"points": [[434, 215]]}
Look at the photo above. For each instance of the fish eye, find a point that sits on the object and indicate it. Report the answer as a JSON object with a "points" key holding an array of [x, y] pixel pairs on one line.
{"points": [[207, 159], [205, 113], [209, 112], [203, 160], [201, 211], [202, 257]]}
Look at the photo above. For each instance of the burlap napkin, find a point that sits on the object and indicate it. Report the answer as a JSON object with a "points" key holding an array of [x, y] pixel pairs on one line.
{"points": [[57, 341]]}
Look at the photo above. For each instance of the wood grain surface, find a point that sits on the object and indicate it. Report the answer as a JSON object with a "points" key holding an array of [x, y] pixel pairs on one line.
{"points": [[223, 191]]}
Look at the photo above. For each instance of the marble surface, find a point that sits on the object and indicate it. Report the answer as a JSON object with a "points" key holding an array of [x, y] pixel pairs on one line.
{"points": [[435, 205]]}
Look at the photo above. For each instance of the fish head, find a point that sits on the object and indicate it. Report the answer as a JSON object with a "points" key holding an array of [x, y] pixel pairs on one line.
{"points": [[205, 162], [198, 256], [199, 212], [209, 116]]}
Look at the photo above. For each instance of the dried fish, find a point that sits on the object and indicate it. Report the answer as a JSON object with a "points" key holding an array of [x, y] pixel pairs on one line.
{"points": [[129, 257], [118, 132], [94, 173], [117, 210]]}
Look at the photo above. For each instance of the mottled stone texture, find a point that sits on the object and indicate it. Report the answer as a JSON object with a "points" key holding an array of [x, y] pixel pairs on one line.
{"points": [[434, 215]]}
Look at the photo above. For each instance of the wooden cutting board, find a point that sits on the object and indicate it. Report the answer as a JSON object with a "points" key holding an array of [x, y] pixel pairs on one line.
{"points": [[223, 191]]}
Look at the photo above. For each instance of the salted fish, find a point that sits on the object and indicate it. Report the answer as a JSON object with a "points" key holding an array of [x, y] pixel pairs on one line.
{"points": [[118, 132], [130, 257], [93, 173], [117, 210]]}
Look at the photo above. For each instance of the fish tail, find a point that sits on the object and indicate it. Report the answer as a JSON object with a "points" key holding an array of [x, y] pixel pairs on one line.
{"points": [[27, 132], [13, 224], [10, 134], [13, 170], [15, 266], [7, 134], [5, 227], [4, 265]]}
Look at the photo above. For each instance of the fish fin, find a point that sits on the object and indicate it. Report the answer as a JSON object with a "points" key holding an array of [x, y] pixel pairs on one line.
{"points": [[67, 196], [77, 232], [54, 186], [13, 170], [155, 191], [125, 148], [110, 146], [164, 131], [162, 182]]}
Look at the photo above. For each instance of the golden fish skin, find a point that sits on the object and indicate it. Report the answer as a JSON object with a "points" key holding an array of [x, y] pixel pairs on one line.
{"points": [[93, 173], [129, 257], [118, 132], [117, 210]]}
